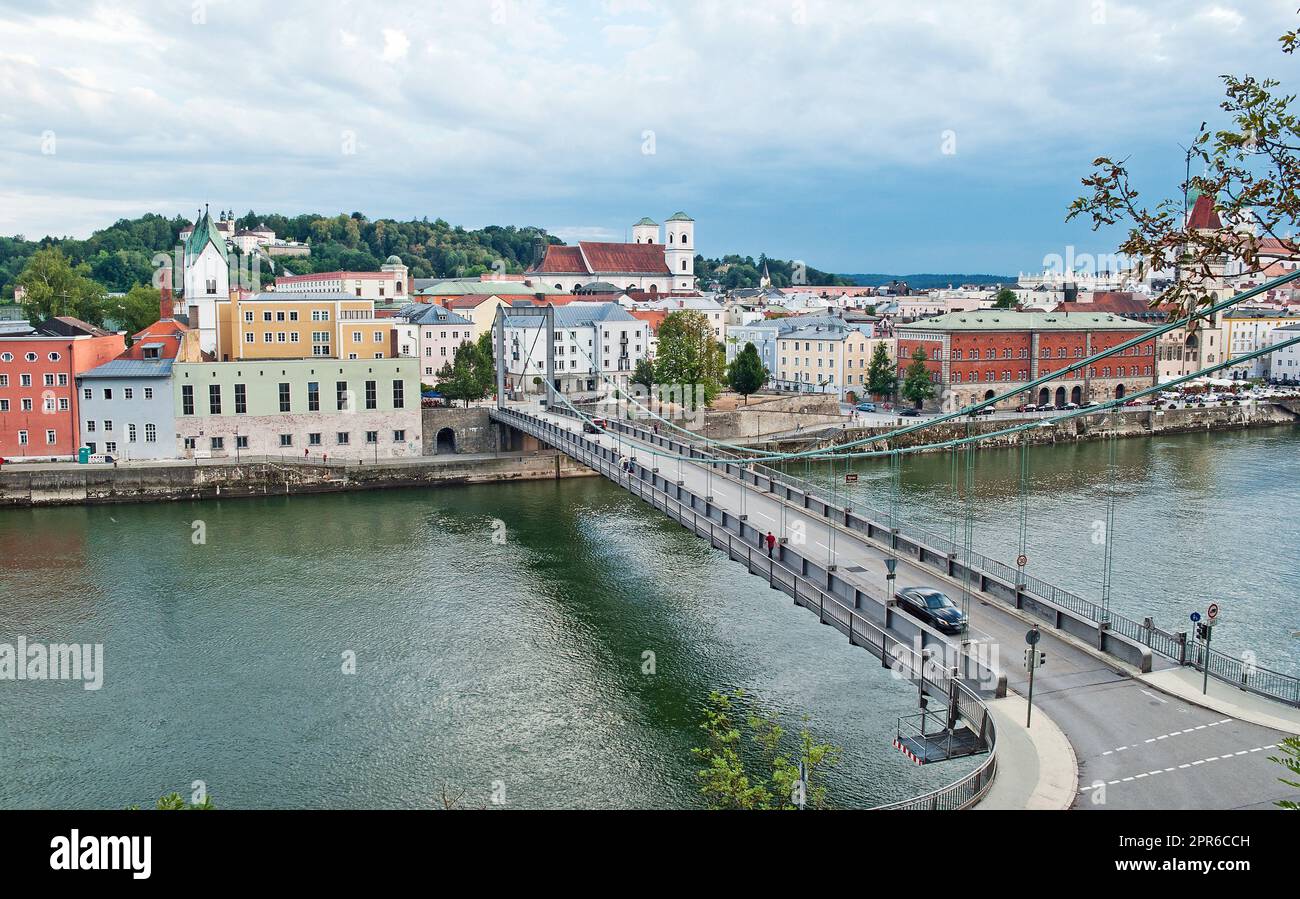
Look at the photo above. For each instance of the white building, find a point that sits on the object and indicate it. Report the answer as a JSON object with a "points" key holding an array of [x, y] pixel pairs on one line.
{"points": [[389, 284], [594, 343], [644, 264], [207, 279], [431, 334], [711, 309], [1284, 364]]}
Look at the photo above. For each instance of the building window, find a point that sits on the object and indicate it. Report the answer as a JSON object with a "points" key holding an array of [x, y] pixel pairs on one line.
{"points": [[49, 379], [218, 443], [214, 399], [248, 316], [150, 433], [372, 436], [399, 394], [372, 399], [341, 395], [148, 393], [108, 393], [189, 443], [90, 426], [342, 438], [313, 439], [22, 438], [86, 394], [241, 441], [130, 433], [399, 436], [108, 424], [51, 438], [286, 440], [128, 393], [284, 397], [241, 400], [109, 447], [313, 396], [187, 399]]}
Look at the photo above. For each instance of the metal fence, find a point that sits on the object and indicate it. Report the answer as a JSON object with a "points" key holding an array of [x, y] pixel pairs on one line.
{"points": [[896, 654], [1241, 672]]}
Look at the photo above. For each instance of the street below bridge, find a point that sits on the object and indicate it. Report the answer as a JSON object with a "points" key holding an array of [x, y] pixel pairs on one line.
{"points": [[1136, 746]]}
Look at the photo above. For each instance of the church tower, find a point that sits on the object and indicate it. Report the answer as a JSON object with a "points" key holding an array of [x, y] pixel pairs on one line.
{"points": [[645, 231], [679, 250], [207, 279]]}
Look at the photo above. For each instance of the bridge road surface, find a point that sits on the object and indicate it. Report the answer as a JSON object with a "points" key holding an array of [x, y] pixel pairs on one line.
{"points": [[1146, 748]]}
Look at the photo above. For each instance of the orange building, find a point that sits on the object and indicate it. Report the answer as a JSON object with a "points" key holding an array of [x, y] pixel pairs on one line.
{"points": [[301, 326]]}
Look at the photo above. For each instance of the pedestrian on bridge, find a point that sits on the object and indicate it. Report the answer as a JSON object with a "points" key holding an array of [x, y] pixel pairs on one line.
{"points": [[771, 543]]}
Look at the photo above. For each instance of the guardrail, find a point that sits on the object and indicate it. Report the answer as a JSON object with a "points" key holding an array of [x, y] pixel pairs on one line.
{"points": [[1017, 586], [742, 543]]}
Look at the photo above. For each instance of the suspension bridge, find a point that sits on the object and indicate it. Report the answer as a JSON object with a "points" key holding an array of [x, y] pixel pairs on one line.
{"points": [[1136, 747]]}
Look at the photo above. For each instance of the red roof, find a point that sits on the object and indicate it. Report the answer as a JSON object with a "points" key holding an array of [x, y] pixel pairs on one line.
{"points": [[625, 257], [167, 332], [563, 260], [652, 317], [592, 258], [1204, 215], [335, 276], [1118, 302]]}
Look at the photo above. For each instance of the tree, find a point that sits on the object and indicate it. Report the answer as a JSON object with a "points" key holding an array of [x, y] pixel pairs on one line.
{"points": [[137, 310], [917, 385], [1250, 172], [1291, 747], [55, 287], [1006, 299], [464, 378], [882, 379], [688, 354], [762, 773], [747, 372], [644, 374], [173, 802]]}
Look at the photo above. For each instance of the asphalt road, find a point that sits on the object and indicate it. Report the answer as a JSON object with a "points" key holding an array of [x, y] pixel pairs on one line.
{"points": [[1136, 746]]}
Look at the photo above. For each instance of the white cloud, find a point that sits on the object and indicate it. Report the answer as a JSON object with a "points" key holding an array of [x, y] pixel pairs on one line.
{"points": [[535, 102]]}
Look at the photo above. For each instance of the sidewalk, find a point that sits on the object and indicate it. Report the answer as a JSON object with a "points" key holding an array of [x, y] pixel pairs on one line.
{"points": [[1037, 768], [1185, 683]]}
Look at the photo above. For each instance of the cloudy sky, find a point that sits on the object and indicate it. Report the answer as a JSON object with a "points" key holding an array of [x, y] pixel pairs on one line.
{"points": [[922, 135]]}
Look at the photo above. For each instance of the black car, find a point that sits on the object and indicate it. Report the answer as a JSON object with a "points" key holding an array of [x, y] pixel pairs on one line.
{"points": [[932, 606], [908, 412]]}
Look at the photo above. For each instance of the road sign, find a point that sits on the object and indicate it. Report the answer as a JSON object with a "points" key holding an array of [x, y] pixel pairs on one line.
{"points": [[1022, 560], [1033, 636], [851, 477], [891, 564], [1213, 611], [1196, 616]]}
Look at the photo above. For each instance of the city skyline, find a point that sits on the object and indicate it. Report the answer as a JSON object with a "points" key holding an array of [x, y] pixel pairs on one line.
{"points": [[964, 142]]}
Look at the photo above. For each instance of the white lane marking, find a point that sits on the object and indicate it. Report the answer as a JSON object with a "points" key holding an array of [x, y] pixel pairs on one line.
{"points": [[1168, 735], [1155, 697], [1213, 758]]}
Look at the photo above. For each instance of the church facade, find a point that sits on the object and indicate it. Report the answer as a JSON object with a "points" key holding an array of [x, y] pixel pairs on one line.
{"points": [[207, 279], [647, 263]]}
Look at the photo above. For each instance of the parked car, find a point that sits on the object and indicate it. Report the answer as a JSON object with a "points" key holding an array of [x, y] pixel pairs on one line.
{"points": [[1026, 407], [595, 425], [909, 412], [1070, 406], [932, 606], [987, 410], [866, 407]]}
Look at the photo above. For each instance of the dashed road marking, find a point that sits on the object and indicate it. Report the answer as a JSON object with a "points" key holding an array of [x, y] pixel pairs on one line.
{"points": [[1167, 736], [1204, 761]]}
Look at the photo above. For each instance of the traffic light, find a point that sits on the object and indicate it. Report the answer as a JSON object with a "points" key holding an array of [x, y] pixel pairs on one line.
{"points": [[1035, 658], [1042, 659], [1202, 632]]}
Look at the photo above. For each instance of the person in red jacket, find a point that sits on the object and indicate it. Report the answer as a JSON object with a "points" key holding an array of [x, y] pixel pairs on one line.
{"points": [[771, 543]]}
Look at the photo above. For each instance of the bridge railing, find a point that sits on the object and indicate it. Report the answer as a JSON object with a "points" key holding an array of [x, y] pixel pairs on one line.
{"points": [[711, 523], [1240, 671]]}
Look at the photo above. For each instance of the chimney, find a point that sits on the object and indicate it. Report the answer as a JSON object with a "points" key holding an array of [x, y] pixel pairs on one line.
{"points": [[166, 306]]}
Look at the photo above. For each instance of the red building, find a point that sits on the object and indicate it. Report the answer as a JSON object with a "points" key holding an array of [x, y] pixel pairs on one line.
{"points": [[974, 356], [38, 396]]}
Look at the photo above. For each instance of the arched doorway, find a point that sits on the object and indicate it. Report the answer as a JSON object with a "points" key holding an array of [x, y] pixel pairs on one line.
{"points": [[446, 441], [1060, 397], [1119, 392], [989, 394], [1044, 396], [1076, 395]]}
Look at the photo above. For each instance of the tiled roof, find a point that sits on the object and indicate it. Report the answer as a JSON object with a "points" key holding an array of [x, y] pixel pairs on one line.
{"points": [[166, 335], [1000, 320], [576, 315], [563, 260], [67, 326], [204, 232], [335, 276], [1203, 214], [429, 314], [629, 258]]}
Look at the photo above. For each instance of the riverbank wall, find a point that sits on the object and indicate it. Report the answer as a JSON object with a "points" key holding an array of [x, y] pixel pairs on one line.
{"points": [[45, 485], [1126, 424]]}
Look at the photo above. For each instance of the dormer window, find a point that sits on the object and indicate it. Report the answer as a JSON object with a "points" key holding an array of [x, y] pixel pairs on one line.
{"points": [[150, 352]]}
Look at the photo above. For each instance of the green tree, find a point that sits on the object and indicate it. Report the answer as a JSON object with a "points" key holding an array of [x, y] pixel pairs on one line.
{"points": [[1006, 299], [1291, 761], [763, 771], [55, 287], [173, 802], [688, 354], [1250, 169], [882, 378], [747, 373], [644, 374], [135, 311], [462, 378], [917, 384]]}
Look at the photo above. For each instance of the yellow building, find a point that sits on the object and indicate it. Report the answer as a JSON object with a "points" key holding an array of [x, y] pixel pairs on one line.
{"points": [[1247, 329], [826, 356], [302, 326]]}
